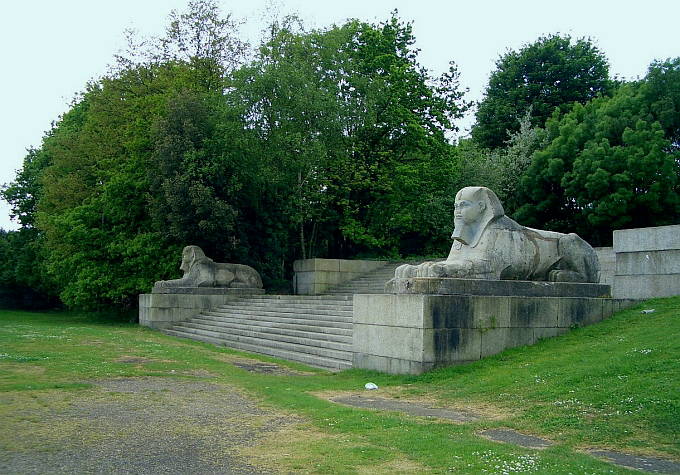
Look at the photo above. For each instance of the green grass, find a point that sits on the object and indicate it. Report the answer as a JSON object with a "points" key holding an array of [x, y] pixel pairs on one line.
{"points": [[612, 385]]}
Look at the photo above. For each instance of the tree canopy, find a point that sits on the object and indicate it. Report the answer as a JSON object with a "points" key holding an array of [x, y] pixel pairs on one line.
{"points": [[553, 71], [331, 142], [612, 163]]}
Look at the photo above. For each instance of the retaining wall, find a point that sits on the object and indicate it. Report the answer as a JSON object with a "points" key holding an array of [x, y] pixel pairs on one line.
{"points": [[412, 333], [647, 262]]}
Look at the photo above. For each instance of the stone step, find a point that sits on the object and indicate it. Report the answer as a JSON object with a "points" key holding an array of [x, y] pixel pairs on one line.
{"points": [[321, 315], [345, 323], [287, 305], [288, 336], [302, 298], [311, 360], [361, 291], [333, 333], [259, 345]]}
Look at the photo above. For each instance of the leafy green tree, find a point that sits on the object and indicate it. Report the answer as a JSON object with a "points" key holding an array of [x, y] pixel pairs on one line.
{"points": [[609, 164], [553, 71], [330, 142], [351, 128]]}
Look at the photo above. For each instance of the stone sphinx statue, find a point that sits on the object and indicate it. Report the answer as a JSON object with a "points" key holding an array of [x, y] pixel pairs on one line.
{"points": [[489, 245], [201, 271]]}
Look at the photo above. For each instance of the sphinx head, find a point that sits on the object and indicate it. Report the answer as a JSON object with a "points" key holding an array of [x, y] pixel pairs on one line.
{"points": [[475, 207], [190, 255]]}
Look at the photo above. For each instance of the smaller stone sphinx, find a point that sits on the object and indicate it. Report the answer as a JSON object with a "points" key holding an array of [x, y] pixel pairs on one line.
{"points": [[201, 271], [489, 245]]}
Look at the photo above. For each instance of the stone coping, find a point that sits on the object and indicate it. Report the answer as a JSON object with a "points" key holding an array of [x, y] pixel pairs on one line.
{"points": [[522, 288], [206, 291]]}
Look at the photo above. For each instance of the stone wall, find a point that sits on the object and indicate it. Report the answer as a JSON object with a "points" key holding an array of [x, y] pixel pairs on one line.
{"points": [[316, 276], [647, 262], [412, 333]]}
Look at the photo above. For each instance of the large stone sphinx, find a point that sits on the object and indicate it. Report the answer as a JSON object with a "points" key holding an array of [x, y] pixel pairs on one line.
{"points": [[201, 271], [489, 245]]}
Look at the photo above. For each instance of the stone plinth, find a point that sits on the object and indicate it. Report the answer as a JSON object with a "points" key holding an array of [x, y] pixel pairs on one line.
{"points": [[316, 276], [167, 306], [448, 286], [647, 262], [412, 332]]}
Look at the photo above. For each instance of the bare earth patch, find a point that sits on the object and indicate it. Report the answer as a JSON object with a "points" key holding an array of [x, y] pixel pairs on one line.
{"points": [[396, 395], [135, 425], [256, 366]]}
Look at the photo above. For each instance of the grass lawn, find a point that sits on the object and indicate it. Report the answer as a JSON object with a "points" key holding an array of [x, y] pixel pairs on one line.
{"points": [[614, 385]]}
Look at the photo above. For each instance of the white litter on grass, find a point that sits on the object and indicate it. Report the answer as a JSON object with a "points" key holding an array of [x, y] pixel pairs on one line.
{"points": [[649, 310], [371, 386]]}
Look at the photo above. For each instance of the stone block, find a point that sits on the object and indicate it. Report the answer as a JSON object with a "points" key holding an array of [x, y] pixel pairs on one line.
{"points": [[657, 238], [607, 308], [390, 365], [577, 312], [391, 310], [392, 342], [623, 304], [529, 312], [359, 267], [448, 311], [647, 286], [648, 262], [607, 259], [313, 265], [496, 340], [490, 312], [452, 286], [452, 345], [543, 333]]}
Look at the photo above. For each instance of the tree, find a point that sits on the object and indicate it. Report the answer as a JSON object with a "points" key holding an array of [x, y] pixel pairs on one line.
{"points": [[348, 127], [553, 71], [610, 163]]}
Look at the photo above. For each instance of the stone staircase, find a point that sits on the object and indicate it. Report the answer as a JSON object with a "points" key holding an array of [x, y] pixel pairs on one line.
{"points": [[312, 329]]}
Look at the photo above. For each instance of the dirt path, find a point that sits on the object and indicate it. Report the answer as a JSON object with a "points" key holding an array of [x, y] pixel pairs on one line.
{"points": [[141, 426]]}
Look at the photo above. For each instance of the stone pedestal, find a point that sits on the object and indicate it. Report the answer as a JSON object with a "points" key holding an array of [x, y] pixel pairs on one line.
{"points": [[416, 330], [165, 307]]}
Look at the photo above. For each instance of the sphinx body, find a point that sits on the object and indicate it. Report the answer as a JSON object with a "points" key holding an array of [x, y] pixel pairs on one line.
{"points": [[201, 271], [489, 245]]}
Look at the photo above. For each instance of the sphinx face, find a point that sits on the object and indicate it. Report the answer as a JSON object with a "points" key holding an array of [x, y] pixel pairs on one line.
{"points": [[467, 212], [186, 261]]}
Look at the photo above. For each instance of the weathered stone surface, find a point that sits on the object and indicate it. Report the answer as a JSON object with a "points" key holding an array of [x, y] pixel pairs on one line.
{"points": [[607, 259], [647, 286], [659, 238], [495, 340], [412, 333], [201, 271], [579, 312], [455, 286], [648, 262], [489, 245]]}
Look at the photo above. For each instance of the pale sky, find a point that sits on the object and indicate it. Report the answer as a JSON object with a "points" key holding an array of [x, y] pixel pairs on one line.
{"points": [[50, 49]]}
